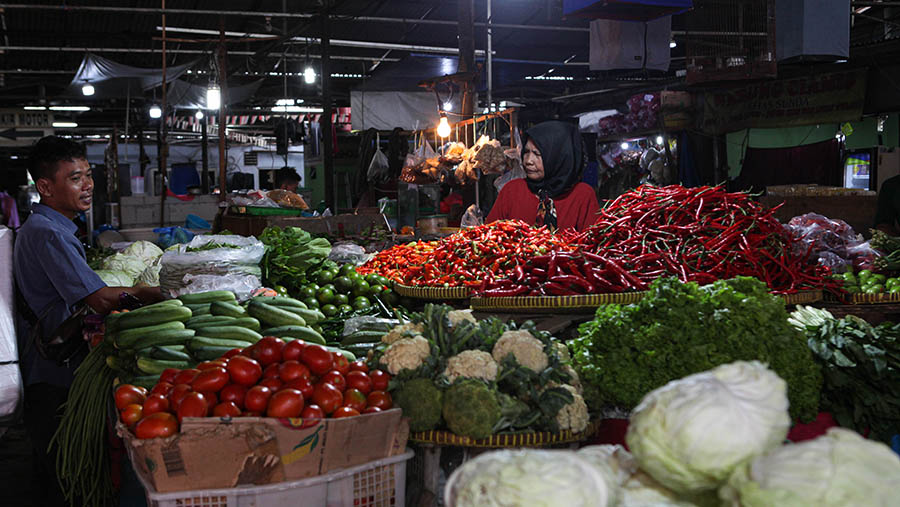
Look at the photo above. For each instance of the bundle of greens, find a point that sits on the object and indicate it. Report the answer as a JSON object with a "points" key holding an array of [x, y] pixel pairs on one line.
{"points": [[861, 365], [291, 253], [681, 328], [889, 246]]}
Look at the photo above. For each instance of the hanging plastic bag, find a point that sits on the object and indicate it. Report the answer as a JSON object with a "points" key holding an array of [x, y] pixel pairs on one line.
{"points": [[379, 168], [472, 217]]}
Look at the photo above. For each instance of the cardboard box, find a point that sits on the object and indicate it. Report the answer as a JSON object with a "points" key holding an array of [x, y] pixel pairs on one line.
{"points": [[225, 453]]}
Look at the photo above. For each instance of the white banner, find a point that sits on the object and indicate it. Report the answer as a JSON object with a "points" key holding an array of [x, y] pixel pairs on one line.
{"points": [[388, 110]]}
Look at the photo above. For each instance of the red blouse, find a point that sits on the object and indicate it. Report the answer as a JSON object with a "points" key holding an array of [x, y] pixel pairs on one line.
{"points": [[576, 209]]}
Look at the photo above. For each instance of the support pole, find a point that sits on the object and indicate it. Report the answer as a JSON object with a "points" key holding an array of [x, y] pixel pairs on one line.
{"points": [[204, 155], [328, 135], [489, 60], [163, 146], [223, 184], [465, 27]]}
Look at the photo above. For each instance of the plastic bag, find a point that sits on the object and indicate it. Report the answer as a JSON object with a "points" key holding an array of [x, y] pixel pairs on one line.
{"points": [[220, 255], [379, 167], [515, 173], [830, 242], [11, 388], [368, 323], [242, 286], [472, 217], [348, 252], [169, 236]]}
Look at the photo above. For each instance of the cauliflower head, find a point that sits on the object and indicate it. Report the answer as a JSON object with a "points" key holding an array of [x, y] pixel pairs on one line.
{"points": [[528, 350], [573, 416], [421, 402], [471, 409], [406, 354], [471, 364], [459, 316], [574, 380], [400, 331], [563, 351]]}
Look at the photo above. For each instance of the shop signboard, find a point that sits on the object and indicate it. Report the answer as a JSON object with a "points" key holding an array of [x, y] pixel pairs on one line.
{"points": [[810, 100], [19, 127]]}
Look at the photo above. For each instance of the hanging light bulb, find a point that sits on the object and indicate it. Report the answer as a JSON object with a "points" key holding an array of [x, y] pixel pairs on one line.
{"points": [[672, 44], [448, 106], [309, 75], [659, 139], [213, 97], [155, 111], [88, 89], [198, 115], [624, 146], [443, 128]]}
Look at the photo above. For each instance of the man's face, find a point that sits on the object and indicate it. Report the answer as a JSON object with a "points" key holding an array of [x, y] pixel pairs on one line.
{"points": [[70, 191], [531, 159], [290, 186]]}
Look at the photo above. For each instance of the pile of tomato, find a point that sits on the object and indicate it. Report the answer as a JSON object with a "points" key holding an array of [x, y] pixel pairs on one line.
{"points": [[268, 379]]}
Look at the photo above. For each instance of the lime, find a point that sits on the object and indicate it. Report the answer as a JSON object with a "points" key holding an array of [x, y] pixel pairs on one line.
{"points": [[341, 299], [329, 310], [345, 309], [314, 286], [343, 284], [849, 276], [312, 303], [360, 288], [879, 278], [325, 276], [325, 295], [306, 292], [864, 273], [853, 289], [372, 278], [329, 286], [874, 289], [346, 269], [383, 280], [281, 290], [355, 277], [890, 282], [361, 303], [895, 289], [376, 290], [389, 297]]}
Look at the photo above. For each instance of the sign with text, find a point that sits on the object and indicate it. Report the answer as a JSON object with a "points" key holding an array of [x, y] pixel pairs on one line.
{"points": [[809, 100], [22, 128]]}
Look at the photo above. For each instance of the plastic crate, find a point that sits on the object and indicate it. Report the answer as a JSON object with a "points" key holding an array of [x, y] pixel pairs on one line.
{"points": [[380, 483]]}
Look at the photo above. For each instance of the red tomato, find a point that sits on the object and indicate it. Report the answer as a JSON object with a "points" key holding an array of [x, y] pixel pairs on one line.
{"points": [[317, 358], [234, 393], [231, 353], [359, 380], [371, 410], [335, 378], [162, 388], [379, 380], [271, 371], [251, 414], [380, 399], [341, 364], [226, 409], [127, 394], [156, 403], [302, 384], [292, 350], [185, 376], [344, 412], [158, 425], [285, 403], [353, 398], [211, 401], [168, 375], [272, 383], [206, 365], [257, 399], [243, 370], [328, 397], [359, 365], [211, 380], [268, 350], [177, 395], [312, 412], [131, 414], [142, 390], [193, 405], [291, 370]]}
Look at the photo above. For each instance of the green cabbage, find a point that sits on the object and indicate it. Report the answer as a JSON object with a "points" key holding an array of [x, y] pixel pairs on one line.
{"points": [[134, 266], [526, 477], [692, 433], [144, 250], [839, 468], [149, 276], [115, 278]]}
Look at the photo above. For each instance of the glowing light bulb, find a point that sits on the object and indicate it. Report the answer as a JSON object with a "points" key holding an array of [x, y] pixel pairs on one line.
{"points": [[213, 97], [155, 111], [443, 128], [672, 44], [87, 89], [624, 146], [198, 115], [659, 139], [309, 75]]}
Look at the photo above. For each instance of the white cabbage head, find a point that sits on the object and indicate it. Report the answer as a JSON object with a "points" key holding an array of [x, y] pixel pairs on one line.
{"points": [[837, 469], [692, 433], [115, 278]]}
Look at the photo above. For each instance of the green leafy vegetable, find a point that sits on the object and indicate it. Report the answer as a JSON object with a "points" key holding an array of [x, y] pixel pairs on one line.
{"points": [[291, 252]]}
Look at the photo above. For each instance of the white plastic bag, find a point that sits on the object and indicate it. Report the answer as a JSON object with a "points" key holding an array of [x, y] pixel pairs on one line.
{"points": [[242, 286], [236, 256], [379, 167], [10, 378], [348, 252], [471, 217]]}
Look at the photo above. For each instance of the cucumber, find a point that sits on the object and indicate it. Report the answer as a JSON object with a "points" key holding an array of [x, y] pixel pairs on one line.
{"points": [[163, 352], [210, 353], [231, 333], [173, 302], [116, 363], [199, 309], [346, 353], [362, 337], [127, 338], [198, 342], [361, 349], [302, 332], [170, 337], [229, 309], [207, 297], [145, 381], [310, 316], [156, 366], [248, 322], [151, 315], [281, 301], [210, 320], [275, 316]]}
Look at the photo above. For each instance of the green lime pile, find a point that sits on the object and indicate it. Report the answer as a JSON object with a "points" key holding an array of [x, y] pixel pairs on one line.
{"points": [[341, 291], [866, 282]]}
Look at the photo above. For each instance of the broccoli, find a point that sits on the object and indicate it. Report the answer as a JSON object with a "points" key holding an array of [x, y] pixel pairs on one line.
{"points": [[420, 400], [471, 409]]}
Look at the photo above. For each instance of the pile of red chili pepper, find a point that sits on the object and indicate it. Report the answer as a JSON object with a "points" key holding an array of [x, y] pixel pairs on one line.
{"points": [[483, 257], [700, 235]]}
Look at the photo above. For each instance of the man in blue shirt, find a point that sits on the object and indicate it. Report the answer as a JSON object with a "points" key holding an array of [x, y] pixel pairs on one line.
{"points": [[54, 279]]}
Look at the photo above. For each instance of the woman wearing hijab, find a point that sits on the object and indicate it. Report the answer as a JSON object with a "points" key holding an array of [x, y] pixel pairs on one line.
{"points": [[551, 193]]}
